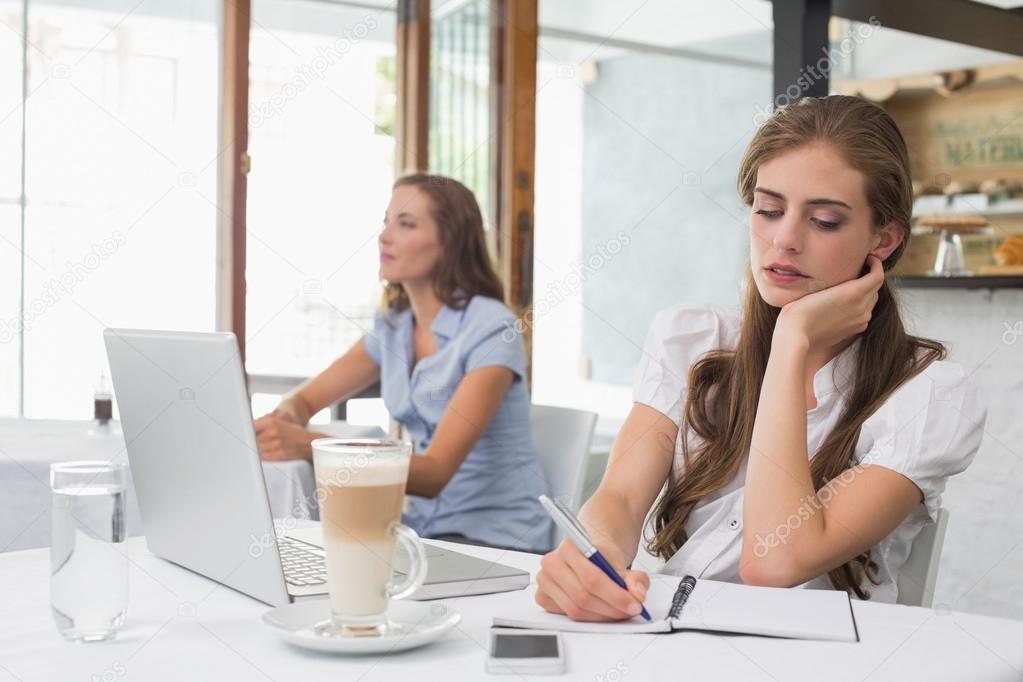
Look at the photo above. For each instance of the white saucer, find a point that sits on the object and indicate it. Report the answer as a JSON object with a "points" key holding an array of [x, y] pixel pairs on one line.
{"points": [[415, 624]]}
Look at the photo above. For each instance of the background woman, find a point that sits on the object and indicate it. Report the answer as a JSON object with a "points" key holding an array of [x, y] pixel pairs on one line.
{"points": [[451, 370]]}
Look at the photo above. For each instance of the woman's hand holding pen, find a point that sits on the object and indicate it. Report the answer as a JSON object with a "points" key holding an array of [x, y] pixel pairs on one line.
{"points": [[571, 584]]}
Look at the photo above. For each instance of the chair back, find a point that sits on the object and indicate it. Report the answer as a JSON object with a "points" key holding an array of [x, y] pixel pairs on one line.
{"points": [[920, 572], [562, 439]]}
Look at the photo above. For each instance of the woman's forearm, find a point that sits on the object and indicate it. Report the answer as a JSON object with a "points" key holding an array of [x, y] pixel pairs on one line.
{"points": [[346, 376], [611, 527], [778, 480], [425, 478], [465, 420], [297, 407]]}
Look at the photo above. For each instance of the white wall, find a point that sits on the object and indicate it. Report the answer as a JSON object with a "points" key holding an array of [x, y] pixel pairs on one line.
{"points": [[983, 556]]}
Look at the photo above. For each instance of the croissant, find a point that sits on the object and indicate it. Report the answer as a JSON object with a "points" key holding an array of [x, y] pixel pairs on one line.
{"points": [[1010, 252]]}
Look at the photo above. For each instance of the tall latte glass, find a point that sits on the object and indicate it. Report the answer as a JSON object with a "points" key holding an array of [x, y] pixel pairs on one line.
{"points": [[360, 486]]}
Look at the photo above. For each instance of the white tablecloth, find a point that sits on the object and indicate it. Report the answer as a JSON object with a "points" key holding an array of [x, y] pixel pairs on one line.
{"points": [[29, 446], [182, 626]]}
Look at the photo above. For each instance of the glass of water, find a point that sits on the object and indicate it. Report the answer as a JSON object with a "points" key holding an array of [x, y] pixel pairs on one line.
{"points": [[88, 557]]}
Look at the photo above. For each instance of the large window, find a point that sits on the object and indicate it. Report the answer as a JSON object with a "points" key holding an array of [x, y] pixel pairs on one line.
{"points": [[116, 222], [321, 137], [460, 132], [11, 47]]}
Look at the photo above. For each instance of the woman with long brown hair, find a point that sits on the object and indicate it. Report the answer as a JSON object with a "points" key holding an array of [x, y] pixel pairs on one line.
{"points": [[806, 438], [451, 367]]}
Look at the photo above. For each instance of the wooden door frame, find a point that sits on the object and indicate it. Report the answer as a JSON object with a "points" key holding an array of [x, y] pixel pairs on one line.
{"points": [[514, 35], [232, 168], [412, 76]]}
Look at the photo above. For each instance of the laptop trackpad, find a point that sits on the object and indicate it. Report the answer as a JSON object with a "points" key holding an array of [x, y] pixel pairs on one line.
{"points": [[434, 555]]}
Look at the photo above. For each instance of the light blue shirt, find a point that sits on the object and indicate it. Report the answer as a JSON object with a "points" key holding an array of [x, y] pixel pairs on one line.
{"points": [[493, 495]]}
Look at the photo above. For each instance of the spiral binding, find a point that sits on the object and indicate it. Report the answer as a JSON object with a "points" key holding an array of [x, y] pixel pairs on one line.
{"points": [[685, 588]]}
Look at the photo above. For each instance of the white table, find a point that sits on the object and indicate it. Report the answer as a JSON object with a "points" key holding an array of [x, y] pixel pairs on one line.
{"points": [[29, 446], [182, 626]]}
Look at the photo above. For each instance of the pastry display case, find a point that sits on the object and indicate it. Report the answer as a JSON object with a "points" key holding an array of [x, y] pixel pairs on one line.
{"points": [[964, 132]]}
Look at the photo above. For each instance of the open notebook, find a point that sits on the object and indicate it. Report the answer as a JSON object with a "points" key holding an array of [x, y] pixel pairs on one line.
{"points": [[691, 604]]}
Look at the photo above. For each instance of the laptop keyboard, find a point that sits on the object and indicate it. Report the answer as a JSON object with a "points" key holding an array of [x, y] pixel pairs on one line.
{"points": [[301, 566]]}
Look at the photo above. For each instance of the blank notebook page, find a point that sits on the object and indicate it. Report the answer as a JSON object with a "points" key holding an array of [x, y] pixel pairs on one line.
{"points": [[776, 611]]}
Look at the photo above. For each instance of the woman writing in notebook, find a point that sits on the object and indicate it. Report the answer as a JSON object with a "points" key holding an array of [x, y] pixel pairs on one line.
{"points": [[806, 438], [451, 370]]}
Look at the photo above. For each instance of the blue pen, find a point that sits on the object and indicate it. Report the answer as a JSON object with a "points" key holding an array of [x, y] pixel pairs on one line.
{"points": [[577, 534]]}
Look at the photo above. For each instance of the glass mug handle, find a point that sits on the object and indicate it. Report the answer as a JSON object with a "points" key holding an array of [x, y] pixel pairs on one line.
{"points": [[408, 539]]}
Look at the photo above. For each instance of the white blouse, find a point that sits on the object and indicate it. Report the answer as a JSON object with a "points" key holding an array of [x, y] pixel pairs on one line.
{"points": [[929, 429]]}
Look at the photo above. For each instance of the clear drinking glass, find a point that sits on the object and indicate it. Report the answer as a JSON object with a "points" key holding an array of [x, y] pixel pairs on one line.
{"points": [[88, 557], [360, 487]]}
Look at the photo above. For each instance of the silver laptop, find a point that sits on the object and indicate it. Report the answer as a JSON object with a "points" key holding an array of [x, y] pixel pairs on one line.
{"points": [[198, 477]]}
